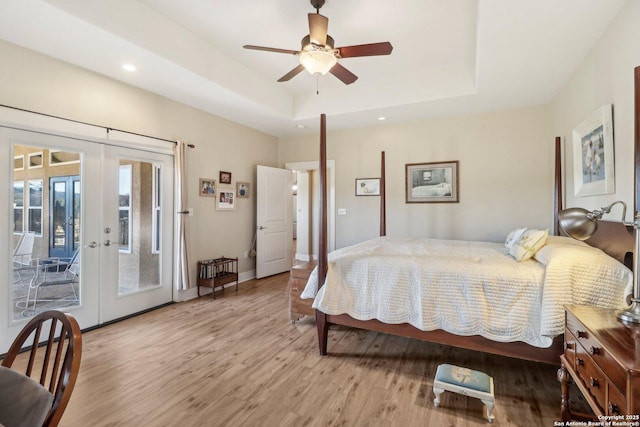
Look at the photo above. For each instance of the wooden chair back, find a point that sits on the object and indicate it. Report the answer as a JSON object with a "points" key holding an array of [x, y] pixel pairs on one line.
{"points": [[55, 362]]}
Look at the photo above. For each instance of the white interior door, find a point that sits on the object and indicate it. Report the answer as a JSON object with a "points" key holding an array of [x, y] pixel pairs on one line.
{"points": [[274, 221]]}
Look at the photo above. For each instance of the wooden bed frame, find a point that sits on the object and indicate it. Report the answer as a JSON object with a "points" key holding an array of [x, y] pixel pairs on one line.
{"points": [[612, 237]]}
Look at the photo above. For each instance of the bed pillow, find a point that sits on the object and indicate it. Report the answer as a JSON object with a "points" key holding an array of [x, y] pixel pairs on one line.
{"points": [[513, 237], [528, 244]]}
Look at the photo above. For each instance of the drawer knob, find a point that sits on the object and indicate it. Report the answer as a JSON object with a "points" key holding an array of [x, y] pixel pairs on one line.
{"points": [[569, 346], [594, 382], [580, 362], [614, 409], [595, 350], [582, 334]]}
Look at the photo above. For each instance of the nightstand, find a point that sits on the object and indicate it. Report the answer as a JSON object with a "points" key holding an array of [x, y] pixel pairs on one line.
{"points": [[602, 356], [299, 275]]}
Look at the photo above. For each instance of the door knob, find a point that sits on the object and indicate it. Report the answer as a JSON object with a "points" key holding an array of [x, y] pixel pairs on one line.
{"points": [[107, 242], [261, 228], [91, 245]]}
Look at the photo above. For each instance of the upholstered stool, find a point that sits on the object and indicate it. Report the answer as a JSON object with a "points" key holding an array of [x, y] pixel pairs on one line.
{"points": [[466, 382]]}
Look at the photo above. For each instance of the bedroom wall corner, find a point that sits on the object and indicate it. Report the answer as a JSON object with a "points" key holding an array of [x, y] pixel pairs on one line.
{"points": [[605, 77]]}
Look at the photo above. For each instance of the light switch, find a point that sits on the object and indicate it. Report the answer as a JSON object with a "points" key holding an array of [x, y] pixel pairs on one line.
{"points": [[342, 211]]}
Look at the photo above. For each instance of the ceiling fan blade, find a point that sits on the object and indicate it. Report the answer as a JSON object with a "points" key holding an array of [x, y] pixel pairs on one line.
{"points": [[318, 25], [371, 49], [344, 75], [271, 49], [291, 73]]}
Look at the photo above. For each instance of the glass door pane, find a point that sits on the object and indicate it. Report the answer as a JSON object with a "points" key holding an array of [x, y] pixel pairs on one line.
{"points": [[45, 270], [137, 231]]}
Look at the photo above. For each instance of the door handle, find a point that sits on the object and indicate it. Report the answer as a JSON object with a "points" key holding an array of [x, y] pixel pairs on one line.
{"points": [[91, 245], [107, 242], [261, 228]]}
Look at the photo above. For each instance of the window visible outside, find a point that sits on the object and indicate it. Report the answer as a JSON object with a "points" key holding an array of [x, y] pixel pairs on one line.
{"points": [[156, 210], [124, 206], [35, 206], [18, 207]]}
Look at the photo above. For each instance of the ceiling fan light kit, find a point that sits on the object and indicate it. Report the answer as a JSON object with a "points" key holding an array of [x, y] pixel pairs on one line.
{"points": [[318, 55], [318, 61]]}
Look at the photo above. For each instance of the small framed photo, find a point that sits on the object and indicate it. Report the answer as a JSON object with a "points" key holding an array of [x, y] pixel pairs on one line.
{"points": [[432, 182], [367, 186], [226, 200], [242, 189], [225, 177], [593, 154], [207, 187]]}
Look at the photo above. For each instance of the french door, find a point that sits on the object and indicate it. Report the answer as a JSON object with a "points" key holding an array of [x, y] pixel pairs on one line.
{"points": [[111, 205]]}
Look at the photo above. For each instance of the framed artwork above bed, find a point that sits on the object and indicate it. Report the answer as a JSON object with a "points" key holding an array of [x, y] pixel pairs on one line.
{"points": [[593, 154], [435, 182], [367, 186]]}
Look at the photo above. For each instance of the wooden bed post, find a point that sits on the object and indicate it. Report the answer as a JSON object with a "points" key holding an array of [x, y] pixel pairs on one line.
{"points": [[321, 318], [636, 191], [557, 187], [383, 203]]}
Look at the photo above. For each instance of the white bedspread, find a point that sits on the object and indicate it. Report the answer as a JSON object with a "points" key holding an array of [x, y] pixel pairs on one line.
{"points": [[467, 288]]}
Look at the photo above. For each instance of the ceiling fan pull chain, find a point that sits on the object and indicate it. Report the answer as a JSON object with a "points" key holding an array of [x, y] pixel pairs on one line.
{"points": [[317, 84]]}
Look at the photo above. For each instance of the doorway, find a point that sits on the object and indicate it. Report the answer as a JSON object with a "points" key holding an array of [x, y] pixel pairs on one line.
{"points": [[64, 221], [308, 208]]}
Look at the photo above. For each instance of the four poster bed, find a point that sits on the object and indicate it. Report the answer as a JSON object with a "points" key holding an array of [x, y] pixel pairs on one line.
{"points": [[367, 262]]}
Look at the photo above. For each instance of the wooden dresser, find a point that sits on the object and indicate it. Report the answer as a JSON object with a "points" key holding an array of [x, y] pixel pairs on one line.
{"points": [[602, 356], [298, 277]]}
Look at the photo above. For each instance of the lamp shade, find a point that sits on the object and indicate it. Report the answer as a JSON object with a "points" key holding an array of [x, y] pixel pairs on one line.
{"points": [[577, 223], [318, 61]]}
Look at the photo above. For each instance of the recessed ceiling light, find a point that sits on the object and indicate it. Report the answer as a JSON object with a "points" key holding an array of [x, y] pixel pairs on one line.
{"points": [[129, 67], [300, 126], [381, 118]]}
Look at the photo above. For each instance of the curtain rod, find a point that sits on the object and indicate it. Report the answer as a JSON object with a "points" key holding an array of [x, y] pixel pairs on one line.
{"points": [[92, 124]]}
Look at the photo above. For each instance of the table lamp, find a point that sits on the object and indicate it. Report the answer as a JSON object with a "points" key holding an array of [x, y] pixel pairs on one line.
{"points": [[580, 224]]}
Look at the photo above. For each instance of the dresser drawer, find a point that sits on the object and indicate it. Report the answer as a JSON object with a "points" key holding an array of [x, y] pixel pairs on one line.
{"points": [[570, 344], [616, 373], [617, 402], [591, 377]]}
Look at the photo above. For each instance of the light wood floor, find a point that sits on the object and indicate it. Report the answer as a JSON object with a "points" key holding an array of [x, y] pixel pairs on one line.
{"points": [[238, 361]]}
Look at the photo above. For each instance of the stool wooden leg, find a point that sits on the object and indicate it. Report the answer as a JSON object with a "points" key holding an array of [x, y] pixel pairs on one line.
{"points": [[437, 392], [489, 404]]}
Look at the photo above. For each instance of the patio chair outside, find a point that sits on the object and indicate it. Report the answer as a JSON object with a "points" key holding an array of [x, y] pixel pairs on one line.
{"points": [[53, 272], [22, 253]]}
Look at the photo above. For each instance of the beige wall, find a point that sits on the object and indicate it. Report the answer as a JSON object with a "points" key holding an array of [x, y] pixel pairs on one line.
{"points": [[505, 170], [35, 82], [606, 77]]}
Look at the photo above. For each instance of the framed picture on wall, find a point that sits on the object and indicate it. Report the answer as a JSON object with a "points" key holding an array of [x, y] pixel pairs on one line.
{"points": [[432, 182], [207, 187], [225, 177], [226, 199], [367, 186], [593, 161], [242, 189]]}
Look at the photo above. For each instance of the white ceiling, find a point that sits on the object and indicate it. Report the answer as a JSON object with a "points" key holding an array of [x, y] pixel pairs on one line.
{"points": [[449, 57]]}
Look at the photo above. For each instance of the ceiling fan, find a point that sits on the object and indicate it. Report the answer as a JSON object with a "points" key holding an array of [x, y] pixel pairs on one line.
{"points": [[318, 54]]}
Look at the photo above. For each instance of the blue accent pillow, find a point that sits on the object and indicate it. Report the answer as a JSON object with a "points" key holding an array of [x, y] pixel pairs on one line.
{"points": [[464, 377]]}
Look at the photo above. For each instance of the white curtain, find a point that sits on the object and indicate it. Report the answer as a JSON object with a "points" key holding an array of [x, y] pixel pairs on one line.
{"points": [[180, 170]]}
